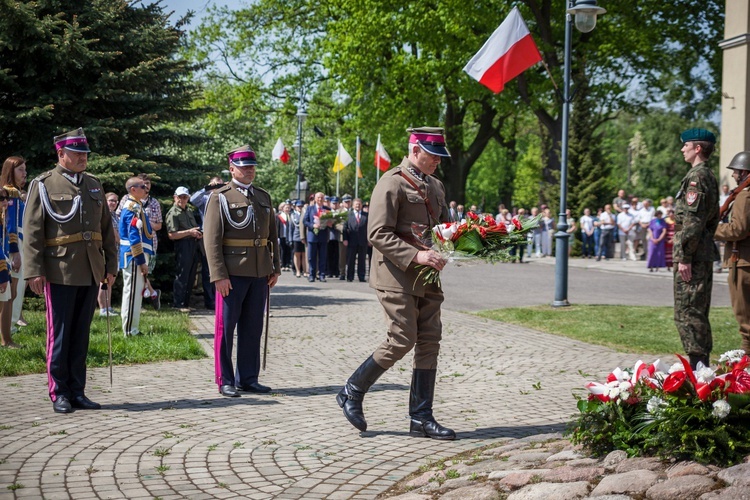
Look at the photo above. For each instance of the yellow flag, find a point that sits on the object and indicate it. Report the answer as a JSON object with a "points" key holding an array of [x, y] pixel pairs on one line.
{"points": [[342, 159]]}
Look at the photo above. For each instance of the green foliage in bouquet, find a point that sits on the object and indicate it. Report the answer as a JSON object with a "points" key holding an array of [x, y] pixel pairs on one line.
{"points": [[605, 427]]}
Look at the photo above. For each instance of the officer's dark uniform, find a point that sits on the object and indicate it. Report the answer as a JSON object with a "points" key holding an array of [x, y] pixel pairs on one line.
{"points": [[242, 246], [68, 240]]}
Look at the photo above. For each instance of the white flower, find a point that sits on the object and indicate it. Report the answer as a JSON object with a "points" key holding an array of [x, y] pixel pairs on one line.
{"points": [[705, 375], [721, 409], [677, 367], [732, 356], [655, 405]]}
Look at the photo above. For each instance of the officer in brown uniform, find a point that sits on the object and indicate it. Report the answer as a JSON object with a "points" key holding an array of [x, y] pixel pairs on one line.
{"points": [[696, 217], [405, 196], [737, 250], [242, 251], [69, 247]]}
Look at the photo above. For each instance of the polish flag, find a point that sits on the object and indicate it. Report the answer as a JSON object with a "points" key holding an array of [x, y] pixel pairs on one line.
{"points": [[509, 52], [382, 160], [279, 152]]}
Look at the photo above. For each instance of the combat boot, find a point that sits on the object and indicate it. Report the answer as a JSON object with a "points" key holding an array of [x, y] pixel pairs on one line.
{"points": [[351, 396], [698, 358], [422, 423]]}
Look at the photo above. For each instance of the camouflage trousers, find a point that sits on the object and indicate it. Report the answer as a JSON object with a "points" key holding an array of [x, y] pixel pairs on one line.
{"points": [[692, 302]]}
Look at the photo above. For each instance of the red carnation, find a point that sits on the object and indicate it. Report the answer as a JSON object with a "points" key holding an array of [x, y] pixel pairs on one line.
{"points": [[472, 216], [490, 220], [517, 223], [674, 381]]}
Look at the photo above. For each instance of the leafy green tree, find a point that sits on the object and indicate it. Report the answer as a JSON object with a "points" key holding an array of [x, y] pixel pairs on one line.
{"points": [[396, 64], [110, 66]]}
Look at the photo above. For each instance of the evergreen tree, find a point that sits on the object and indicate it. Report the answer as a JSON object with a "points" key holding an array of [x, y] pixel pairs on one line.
{"points": [[109, 66]]}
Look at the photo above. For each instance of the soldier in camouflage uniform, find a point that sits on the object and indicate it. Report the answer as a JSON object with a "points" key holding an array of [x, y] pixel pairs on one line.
{"points": [[696, 219]]}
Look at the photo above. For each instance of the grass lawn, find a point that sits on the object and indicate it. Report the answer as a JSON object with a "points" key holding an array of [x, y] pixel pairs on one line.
{"points": [[639, 329], [166, 338]]}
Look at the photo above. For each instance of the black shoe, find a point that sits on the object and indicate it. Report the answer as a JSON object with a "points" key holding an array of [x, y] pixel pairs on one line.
{"points": [[422, 393], [156, 299], [322, 278], [62, 405], [311, 279], [342, 277], [349, 280], [351, 396], [254, 387], [84, 403], [362, 280], [229, 391]]}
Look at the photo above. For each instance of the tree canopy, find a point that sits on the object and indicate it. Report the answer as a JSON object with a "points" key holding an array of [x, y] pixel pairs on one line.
{"points": [[110, 66]]}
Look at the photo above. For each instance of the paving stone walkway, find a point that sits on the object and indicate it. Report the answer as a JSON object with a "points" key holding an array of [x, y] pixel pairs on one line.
{"points": [[165, 431]]}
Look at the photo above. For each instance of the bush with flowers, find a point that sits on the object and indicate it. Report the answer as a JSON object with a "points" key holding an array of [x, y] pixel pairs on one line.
{"points": [[478, 237], [673, 412]]}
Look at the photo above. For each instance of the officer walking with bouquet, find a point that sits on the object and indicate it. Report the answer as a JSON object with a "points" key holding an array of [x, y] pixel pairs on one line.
{"points": [[406, 195]]}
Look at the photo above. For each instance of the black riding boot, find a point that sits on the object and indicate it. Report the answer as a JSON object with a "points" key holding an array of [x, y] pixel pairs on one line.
{"points": [[350, 397], [423, 424], [695, 358]]}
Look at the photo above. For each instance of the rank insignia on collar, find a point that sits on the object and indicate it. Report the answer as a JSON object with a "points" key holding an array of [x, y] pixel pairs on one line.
{"points": [[691, 197]]}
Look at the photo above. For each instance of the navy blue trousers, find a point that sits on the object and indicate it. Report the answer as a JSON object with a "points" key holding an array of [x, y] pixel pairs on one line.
{"points": [[244, 309], [317, 261], [70, 310]]}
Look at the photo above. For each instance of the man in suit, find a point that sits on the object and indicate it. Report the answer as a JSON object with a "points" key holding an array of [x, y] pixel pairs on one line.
{"points": [[355, 240], [405, 196], [69, 247], [317, 238], [242, 251]]}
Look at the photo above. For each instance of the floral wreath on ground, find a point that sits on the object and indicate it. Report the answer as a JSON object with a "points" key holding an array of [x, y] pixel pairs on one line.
{"points": [[673, 412]]}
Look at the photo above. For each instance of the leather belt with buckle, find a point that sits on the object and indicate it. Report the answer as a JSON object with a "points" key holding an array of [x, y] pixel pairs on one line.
{"points": [[73, 238]]}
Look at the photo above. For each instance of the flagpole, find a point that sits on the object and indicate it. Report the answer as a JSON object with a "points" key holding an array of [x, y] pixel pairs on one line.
{"points": [[356, 174], [377, 167]]}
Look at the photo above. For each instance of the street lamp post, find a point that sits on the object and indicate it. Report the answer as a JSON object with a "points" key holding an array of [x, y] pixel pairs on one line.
{"points": [[584, 12], [301, 115]]}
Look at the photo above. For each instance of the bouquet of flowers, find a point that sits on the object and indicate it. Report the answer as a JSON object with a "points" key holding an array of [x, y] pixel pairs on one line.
{"points": [[671, 411], [337, 216], [474, 238]]}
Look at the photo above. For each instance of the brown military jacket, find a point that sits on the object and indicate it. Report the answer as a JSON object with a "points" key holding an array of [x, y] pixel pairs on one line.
{"points": [[252, 251], [394, 206], [78, 252], [696, 216], [737, 231]]}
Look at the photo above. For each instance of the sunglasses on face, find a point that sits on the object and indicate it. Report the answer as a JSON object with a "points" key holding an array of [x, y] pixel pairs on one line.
{"points": [[4, 198], [140, 186]]}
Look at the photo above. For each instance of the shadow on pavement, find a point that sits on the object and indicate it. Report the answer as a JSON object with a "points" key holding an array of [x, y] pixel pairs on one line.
{"points": [[334, 389], [484, 433], [187, 404]]}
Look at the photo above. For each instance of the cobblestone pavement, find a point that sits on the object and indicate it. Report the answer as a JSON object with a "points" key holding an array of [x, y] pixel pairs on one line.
{"points": [[165, 431]]}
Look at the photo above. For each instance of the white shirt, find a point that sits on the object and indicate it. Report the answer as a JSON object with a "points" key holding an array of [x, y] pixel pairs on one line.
{"points": [[606, 220], [587, 224], [625, 219], [646, 214]]}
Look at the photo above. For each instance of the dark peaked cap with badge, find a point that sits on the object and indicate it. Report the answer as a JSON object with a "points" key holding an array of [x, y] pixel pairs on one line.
{"points": [[430, 139], [243, 156], [698, 134], [75, 140]]}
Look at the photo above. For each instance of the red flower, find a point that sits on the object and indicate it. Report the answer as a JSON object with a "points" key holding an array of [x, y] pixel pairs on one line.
{"points": [[490, 220], [482, 232], [674, 381], [517, 223], [472, 216], [739, 381]]}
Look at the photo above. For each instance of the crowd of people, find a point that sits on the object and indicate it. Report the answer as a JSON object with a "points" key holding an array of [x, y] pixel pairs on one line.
{"points": [[70, 239]]}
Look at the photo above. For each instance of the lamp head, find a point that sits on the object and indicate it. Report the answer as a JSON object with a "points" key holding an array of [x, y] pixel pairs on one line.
{"points": [[585, 12]]}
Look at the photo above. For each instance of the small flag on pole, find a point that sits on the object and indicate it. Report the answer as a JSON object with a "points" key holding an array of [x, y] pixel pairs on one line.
{"points": [[279, 152], [509, 52], [342, 159], [359, 159], [382, 160]]}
